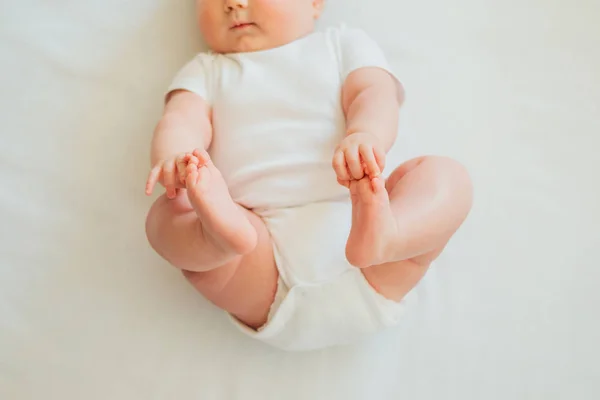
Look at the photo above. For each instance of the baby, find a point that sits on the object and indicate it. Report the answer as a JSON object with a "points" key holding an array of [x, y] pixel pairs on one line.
{"points": [[272, 149]]}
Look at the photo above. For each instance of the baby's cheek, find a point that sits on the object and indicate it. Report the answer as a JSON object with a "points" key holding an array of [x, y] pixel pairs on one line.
{"points": [[282, 15], [209, 28]]}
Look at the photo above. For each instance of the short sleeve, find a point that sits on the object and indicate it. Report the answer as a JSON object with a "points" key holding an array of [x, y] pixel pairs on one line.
{"points": [[195, 77], [358, 50]]}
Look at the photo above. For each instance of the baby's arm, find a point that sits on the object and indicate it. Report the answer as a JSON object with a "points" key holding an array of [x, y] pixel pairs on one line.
{"points": [[184, 126], [371, 99]]}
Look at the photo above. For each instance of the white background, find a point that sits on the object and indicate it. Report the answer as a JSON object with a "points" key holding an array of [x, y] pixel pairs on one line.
{"points": [[87, 311]]}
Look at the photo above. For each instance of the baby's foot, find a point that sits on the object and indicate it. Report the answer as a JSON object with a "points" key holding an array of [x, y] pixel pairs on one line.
{"points": [[222, 220], [373, 224]]}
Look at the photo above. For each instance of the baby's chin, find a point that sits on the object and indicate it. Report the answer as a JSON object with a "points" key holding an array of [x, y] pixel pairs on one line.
{"points": [[246, 44]]}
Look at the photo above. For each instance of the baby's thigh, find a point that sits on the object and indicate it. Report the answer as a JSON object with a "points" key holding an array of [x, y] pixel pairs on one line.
{"points": [[246, 286]]}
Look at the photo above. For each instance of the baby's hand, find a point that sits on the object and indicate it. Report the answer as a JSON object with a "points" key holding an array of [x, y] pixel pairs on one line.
{"points": [[359, 154], [170, 173]]}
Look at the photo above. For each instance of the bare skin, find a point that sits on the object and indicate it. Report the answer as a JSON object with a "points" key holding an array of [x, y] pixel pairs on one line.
{"points": [[243, 281], [222, 249], [399, 230], [399, 226]]}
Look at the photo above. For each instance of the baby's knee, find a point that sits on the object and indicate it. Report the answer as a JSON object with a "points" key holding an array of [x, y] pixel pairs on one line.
{"points": [[162, 210], [153, 219], [455, 181], [454, 172], [444, 163]]}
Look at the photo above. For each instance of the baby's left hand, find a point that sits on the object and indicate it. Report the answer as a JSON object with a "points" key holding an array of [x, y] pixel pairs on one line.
{"points": [[359, 154]]}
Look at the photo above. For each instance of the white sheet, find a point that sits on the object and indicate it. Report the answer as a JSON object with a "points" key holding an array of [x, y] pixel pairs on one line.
{"points": [[87, 310]]}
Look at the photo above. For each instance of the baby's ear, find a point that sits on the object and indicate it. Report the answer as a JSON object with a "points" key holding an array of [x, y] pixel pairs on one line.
{"points": [[318, 6]]}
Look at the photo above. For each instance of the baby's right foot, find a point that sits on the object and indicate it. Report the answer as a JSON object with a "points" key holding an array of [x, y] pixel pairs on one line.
{"points": [[223, 221]]}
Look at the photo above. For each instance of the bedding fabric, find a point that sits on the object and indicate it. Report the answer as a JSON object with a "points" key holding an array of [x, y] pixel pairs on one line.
{"points": [[510, 310]]}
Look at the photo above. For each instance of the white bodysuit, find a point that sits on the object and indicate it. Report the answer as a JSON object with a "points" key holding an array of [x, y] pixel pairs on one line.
{"points": [[277, 119]]}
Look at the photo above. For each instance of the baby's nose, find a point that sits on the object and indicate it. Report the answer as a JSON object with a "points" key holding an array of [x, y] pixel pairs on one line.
{"points": [[231, 5]]}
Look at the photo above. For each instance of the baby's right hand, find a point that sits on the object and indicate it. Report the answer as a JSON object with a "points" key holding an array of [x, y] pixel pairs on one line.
{"points": [[170, 173]]}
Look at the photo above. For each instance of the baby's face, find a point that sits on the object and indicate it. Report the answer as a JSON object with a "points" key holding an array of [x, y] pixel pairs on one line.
{"points": [[234, 26]]}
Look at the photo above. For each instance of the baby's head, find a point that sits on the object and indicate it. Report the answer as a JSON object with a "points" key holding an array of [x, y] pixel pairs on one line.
{"points": [[234, 26]]}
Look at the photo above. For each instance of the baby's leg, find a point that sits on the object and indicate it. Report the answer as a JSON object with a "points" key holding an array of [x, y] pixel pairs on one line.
{"points": [[223, 249], [400, 229]]}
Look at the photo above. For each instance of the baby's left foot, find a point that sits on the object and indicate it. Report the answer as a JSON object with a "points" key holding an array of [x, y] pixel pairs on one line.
{"points": [[373, 224]]}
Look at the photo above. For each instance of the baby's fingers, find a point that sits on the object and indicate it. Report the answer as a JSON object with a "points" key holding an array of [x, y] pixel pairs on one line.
{"points": [[169, 178], [202, 157], [181, 163], [354, 163], [344, 183], [339, 166], [367, 154], [153, 178]]}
